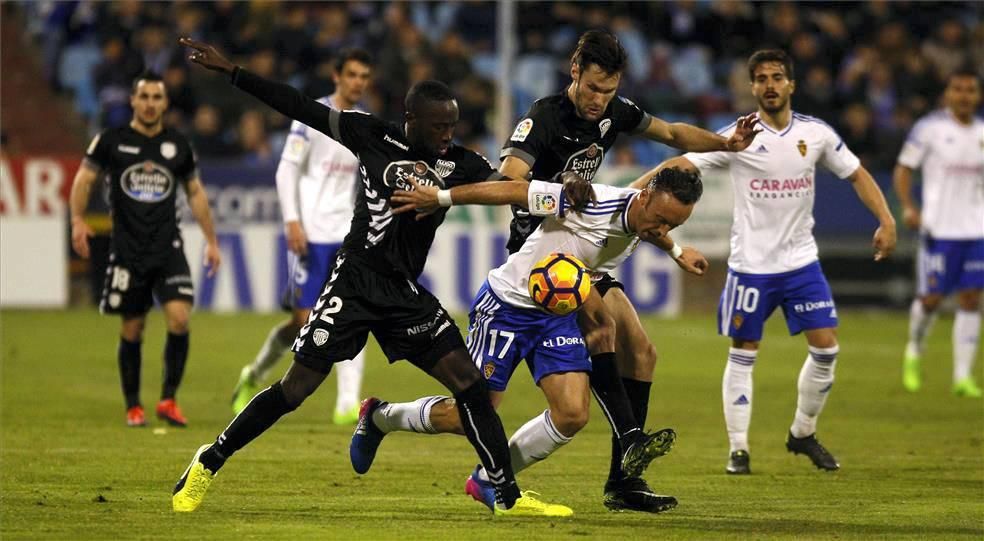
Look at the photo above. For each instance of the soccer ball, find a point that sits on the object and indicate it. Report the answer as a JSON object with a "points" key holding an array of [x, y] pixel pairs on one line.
{"points": [[559, 284]]}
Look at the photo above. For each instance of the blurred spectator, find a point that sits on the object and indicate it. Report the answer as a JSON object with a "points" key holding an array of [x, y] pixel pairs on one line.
{"points": [[453, 57], [114, 77], [858, 133], [254, 147], [947, 50], [207, 136]]}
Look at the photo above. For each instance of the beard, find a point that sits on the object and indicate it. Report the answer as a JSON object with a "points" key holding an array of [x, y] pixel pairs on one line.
{"points": [[779, 106]]}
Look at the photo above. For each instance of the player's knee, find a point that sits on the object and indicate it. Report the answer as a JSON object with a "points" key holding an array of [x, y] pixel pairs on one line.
{"points": [[931, 302], [969, 301], [599, 334], [569, 421], [644, 357], [179, 324]]}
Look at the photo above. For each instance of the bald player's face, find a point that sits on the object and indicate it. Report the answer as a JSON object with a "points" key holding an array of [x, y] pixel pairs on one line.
{"points": [[431, 127]]}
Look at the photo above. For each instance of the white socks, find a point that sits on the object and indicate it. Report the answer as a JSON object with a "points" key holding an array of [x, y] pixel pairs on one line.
{"points": [[270, 353], [407, 416], [533, 442], [815, 380], [736, 391], [349, 374], [966, 332], [920, 322]]}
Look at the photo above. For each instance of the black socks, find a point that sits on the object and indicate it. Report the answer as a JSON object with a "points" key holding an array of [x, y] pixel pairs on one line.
{"points": [[175, 357], [638, 393], [128, 357], [262, 412], [484, 430]]}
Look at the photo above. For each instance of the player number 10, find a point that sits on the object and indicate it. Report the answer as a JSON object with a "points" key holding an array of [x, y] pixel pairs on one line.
{"points": [[747, 299]]}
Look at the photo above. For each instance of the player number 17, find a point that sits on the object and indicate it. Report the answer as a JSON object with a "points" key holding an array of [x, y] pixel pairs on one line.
{"points": [[494, 335]]}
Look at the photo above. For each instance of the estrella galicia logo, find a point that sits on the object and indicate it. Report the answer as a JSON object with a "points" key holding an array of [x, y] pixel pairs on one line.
{"points": [[397, 175], [586, 161], [147, 182]]}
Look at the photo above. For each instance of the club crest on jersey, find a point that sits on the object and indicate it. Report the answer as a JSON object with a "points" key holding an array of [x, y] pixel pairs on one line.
{"points": [[522, 130], [737, 321], [320, 336], [586, 161], [801, 146], [604, 126], [397, 175], [488, 370], [147, 182], [444, 167], [168, 150]]}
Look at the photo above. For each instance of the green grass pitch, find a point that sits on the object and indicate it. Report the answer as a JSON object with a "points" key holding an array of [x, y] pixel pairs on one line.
{"points": [[912, 465]]}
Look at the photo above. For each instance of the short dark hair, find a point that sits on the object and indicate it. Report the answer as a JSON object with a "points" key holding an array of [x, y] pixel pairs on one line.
{"points": [[357, 54], [426, 91], [601, 48], [965, 70], [146, 75], [770, 55], [685, 186]]}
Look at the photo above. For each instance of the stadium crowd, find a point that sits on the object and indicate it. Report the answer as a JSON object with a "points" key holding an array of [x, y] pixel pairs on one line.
{"points": [[870, 68]]}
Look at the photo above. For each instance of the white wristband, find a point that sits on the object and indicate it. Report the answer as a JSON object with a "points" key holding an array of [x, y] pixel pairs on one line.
{"points": [[676, 251], [444, 198]]}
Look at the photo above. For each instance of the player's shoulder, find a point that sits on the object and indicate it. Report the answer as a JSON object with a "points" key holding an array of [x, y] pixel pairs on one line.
{"points": [[469, 158], [931, 120], [622, 102], [807, 123]]}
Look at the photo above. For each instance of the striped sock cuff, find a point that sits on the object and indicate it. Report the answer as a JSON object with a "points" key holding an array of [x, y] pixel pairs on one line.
{"points": [[552, 431], [425, 413], [824, 355], [743, 357]]}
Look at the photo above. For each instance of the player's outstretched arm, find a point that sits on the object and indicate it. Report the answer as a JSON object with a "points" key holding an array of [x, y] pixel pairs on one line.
{"points": [[285, 99], [693, 139], [198, 201], [873, 198], [427, 199], [78, 201], [902, 182]]}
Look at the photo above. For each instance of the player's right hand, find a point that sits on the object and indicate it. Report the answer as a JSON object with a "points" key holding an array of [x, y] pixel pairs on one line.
{"points": [[206, 56], [910, 217], [81, 233], [692, 261], [296, 239], [579, 192], [423, 199]]}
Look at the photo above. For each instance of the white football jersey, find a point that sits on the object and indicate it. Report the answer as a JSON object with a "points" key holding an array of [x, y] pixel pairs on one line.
{"points": [[774, 183], [316, 183], [599, 236], [951, 155]]}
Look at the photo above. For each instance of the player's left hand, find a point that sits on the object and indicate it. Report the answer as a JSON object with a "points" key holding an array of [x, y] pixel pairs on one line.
{"points": [[212, 259], [579, 192], [744, 134], [692, 261], [423, 199], [884, 241], [207, 56]]}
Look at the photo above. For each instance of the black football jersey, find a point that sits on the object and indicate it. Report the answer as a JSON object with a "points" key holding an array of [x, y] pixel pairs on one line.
{"points": [[551, 138], [142, 175], [389, 244]]}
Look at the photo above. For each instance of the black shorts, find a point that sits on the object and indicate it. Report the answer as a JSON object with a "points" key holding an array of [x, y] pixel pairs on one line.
{"points": [[131, 290], [606, 283], [407, 320]]}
